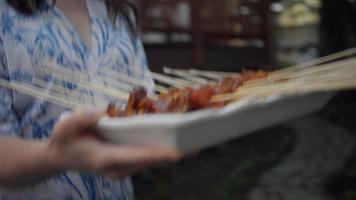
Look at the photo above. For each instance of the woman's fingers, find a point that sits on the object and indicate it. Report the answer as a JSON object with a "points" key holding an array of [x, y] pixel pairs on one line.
{"points": [[136, 154], [112, 156], [89, 153], [82, 120], [76, 123], [117, 172]]}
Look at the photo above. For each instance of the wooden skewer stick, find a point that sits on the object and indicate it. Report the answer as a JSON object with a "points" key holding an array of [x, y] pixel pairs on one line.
{"points": [[293, 87], [288, 85], [82, 81], [44, 91], [173, 82], [84, 99], [314, 71], [161, 89], [53, 87], [334, 73], [324, 67], [37, 93], [316, 76], [338, 76], [216, 74], [100, 89], [112, 83], [72, 95], [170, 81], [85, 77], [311, 87], [177, 82], [206, 74], [185, 75], [318, 61], [132, 80], [114, 75]]}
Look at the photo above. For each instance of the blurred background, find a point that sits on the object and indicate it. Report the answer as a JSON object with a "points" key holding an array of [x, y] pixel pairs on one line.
{"points": [[309, 158]]}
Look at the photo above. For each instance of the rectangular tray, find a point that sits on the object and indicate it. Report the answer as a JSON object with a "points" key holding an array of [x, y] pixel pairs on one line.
{"points": [[201, 129]]}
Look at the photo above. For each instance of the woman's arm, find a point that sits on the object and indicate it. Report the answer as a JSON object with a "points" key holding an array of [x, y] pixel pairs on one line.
{"points": [[24, 162], [74, 146]]}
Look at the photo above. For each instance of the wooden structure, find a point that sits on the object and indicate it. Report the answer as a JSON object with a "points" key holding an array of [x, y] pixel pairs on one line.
{"points": [[222, 23]]}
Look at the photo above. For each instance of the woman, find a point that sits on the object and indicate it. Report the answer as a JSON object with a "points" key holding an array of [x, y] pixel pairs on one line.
{"points": [[40, 157]]}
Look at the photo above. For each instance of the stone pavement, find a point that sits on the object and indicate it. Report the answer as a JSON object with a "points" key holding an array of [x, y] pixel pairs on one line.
{"points": [[322, 148]]}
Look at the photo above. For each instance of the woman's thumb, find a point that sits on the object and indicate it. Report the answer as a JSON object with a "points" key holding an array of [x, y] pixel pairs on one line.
{"points": [[77, 122]]}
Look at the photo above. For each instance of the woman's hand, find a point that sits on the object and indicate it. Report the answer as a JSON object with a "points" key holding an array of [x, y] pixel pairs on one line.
{"points": [[75, 145]]}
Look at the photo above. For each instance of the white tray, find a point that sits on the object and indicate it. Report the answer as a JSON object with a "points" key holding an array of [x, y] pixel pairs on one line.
{"points": [[197, 130]]}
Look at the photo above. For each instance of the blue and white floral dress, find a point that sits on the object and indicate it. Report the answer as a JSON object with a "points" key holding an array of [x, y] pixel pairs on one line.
{"points": [[25, 41]]}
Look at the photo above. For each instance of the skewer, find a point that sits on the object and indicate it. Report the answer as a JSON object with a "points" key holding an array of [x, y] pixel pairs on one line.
{"points": [[66, 94], [128, 79], [100, 89], [185, 75], [85, 82], [173, 82], [288, 89], [340, 80], [121, 88], [342, 74], [321, 78], [162, 89], [302, 87], [318, 61], [324, 76], [170, 81], [54, 88], [206, 74], [216, 74], [80, 98], [314, 71], [36, 93], [330, 67], [179, 80], [134, 80], [85, 77]]}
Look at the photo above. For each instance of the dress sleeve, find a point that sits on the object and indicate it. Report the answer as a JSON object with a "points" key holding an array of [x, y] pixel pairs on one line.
{"points": [[9, 124]]}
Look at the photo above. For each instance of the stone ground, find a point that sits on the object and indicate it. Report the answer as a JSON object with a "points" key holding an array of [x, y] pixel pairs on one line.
{"points": [[322, 149], [310, 158]]}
